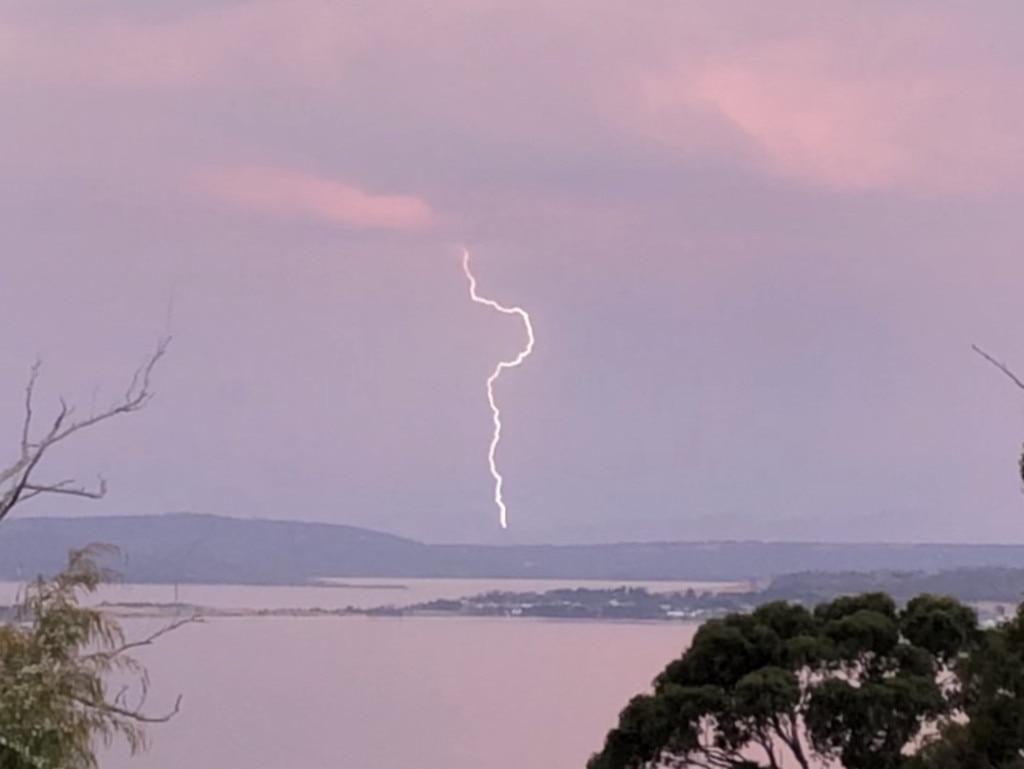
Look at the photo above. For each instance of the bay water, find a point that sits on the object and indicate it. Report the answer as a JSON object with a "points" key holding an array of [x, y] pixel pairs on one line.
{"points": [[356, 692]]}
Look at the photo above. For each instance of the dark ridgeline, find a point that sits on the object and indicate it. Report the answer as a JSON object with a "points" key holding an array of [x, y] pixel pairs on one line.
{"points": [[192, 548]]}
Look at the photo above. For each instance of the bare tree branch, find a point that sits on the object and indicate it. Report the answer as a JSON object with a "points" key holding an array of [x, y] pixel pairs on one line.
{"points": [[65, 487], [148, 640], [119, 705], [121, 697], [999, 365], [132, 714], [1015, 379], [16, 482], [29, 392]]}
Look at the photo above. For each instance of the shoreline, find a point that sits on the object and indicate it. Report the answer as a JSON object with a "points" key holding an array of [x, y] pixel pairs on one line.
{"points": [[179, 611]]}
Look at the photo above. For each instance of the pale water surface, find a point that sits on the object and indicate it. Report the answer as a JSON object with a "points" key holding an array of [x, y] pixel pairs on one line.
{"points": [[387, 693]]}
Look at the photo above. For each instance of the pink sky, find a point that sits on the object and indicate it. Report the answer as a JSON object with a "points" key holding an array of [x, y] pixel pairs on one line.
{"points": [[757, 243]]}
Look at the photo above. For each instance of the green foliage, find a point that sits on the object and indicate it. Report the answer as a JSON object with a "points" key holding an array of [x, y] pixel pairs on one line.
{"points": [[989, 734], [854, 683], [992, 697], [56, 657], [940, 625]]}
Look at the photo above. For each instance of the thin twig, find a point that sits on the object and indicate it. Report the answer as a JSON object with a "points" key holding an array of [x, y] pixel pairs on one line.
{"points": [[148, 640], [30, 388], [65, 487], [999, 365], [132, 715]]}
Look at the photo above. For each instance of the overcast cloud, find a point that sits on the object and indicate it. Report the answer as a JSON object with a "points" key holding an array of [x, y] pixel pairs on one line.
{"points": [[757, 241]]}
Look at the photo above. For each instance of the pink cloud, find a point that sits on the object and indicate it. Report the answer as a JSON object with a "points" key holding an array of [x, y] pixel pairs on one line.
{"points": [[858, 97], [803, 124], [909, 102], [292, 193]]}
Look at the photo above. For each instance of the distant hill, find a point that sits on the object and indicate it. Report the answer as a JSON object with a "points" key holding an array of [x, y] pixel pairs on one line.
{"points": [[185, 547]]}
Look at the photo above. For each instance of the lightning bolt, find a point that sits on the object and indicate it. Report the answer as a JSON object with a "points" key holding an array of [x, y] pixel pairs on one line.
{"points": [[502, 365]]}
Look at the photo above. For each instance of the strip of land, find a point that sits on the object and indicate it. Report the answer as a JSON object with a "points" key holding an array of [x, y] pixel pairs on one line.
{"points": [[992, 595], [207, 549]]}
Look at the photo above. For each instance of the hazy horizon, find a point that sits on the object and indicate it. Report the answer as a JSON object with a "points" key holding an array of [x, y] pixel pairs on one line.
{"points": [[515, 539], [756, 242]]}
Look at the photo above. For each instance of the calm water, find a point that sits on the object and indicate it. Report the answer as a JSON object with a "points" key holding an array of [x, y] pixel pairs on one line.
{"points": [[387, 693]]}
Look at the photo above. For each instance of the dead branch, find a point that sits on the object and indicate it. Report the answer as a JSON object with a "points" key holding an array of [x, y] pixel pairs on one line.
{"points": [[136, 715], [109, 655], [120, 705], [65, 487], [148, 640], [999, 365], [1013, 378], [29, 392], [16, 480], [130, 713]]}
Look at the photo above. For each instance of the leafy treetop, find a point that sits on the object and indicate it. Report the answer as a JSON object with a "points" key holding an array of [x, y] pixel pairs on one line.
{"points": [[856, 681]]}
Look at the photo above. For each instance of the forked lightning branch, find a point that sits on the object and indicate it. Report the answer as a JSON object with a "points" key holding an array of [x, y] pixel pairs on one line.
{"points": [[502, 365]]}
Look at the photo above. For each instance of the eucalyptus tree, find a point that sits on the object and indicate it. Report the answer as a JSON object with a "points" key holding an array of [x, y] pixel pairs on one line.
{"points": [[856, 682]]}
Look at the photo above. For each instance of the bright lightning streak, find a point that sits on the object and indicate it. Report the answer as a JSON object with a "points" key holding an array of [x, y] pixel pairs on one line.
{"points": [[495, 411]]}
